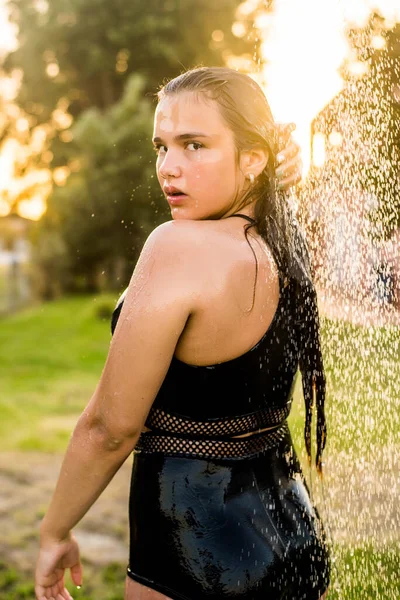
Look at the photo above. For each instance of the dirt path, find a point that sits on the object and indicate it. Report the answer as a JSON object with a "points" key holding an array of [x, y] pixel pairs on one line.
{"points": [[361, 497], [26, 483]]}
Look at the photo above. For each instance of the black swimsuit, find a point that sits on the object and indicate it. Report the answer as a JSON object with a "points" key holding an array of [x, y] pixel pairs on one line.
{"points": [[212, 516]]}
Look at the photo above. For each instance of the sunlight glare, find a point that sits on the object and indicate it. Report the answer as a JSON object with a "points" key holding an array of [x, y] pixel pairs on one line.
{"points": [[33, 208], [4, 208], [301, 70], [357, 12], [8, 31], [318, 149]]}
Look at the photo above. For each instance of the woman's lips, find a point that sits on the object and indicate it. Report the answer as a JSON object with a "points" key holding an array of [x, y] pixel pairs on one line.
{"points": [[176, 200]]}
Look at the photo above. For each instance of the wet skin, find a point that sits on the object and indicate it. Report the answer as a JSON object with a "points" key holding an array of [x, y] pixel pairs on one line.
{"points": [[204, 166]]}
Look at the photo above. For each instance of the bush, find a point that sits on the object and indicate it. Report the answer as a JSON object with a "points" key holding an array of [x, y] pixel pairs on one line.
{"points": [[104, 310]]}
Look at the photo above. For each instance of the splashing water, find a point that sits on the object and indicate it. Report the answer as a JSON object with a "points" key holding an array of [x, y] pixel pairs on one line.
{"points": [[349, 131]]}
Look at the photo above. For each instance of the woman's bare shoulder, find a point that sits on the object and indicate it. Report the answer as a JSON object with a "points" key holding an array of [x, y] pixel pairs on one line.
{"points": [[179, 230], [178, 252], [183, 241]]}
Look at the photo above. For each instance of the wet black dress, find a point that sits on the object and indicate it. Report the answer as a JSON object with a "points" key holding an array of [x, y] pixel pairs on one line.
{"points": [[213, 517]]}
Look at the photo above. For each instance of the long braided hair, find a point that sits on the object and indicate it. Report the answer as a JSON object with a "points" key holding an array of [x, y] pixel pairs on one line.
{"points": [[245, 109]]}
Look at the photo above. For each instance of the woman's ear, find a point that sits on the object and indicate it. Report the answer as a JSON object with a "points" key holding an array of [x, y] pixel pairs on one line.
{"points": [[254, 161]]}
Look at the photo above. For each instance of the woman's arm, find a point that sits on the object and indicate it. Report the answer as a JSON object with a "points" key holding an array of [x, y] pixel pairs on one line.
{"points": [[161, 296], [91, 461]]}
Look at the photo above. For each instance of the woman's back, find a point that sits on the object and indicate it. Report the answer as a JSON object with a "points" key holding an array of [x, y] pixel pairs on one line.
{"points": [[216, 477], [242, 386], [225, 325]]}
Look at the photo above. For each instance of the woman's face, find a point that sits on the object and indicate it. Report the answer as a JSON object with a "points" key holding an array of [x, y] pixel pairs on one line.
{"points": [[197, 157]]}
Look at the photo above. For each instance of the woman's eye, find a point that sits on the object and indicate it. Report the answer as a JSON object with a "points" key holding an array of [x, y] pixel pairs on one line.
{"points": [[160, 149], [195, 146]]}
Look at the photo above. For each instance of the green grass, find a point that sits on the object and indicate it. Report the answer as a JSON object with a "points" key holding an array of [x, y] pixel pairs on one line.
{"points": [[363, 372], [365, 573], [51, 358], [99, 584]]}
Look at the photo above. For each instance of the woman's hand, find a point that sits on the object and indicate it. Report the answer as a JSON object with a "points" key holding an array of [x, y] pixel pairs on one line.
{"points": [[54, 558], [289, 169]]}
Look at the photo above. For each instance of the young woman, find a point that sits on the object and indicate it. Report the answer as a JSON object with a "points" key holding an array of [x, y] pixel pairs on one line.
{"points": [[198, 381]]}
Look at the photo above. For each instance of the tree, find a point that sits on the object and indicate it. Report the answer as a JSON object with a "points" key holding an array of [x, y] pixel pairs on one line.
{"points": [[76, 58], [366, 115], [78, 54], [83, 52], [111, 200], [382, 126]]}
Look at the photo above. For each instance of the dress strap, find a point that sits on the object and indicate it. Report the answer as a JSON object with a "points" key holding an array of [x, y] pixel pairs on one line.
{"points": [[244, 217]]}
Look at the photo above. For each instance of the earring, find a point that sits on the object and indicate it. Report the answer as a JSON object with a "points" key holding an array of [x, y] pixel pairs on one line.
{"points": [[251, 177]]}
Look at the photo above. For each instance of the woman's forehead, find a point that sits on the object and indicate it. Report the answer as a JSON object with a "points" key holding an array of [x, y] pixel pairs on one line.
{"points": [[187, 111]]}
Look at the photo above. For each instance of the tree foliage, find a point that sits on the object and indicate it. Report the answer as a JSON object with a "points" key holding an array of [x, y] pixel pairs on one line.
{"points": [[379, 94], [367, 115], [89, 70], [111, 200], [84, 51]]}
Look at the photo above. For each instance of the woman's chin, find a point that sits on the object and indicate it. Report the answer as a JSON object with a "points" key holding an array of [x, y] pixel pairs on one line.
{"points": [[179, 213]]}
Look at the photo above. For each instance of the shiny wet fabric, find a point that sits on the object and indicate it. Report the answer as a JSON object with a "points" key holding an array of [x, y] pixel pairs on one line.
{"points": [[217, 529], [205, 527]]}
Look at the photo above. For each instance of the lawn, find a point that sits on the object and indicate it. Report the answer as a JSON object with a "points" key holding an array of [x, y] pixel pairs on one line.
{"points": [[51, 357]]}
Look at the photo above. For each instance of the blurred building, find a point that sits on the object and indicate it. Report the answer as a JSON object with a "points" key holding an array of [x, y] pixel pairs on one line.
{"points": [[15, 257]]}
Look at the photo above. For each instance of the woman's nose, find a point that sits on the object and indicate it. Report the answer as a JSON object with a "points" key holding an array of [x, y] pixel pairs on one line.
{"points": [[169, 166]]}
